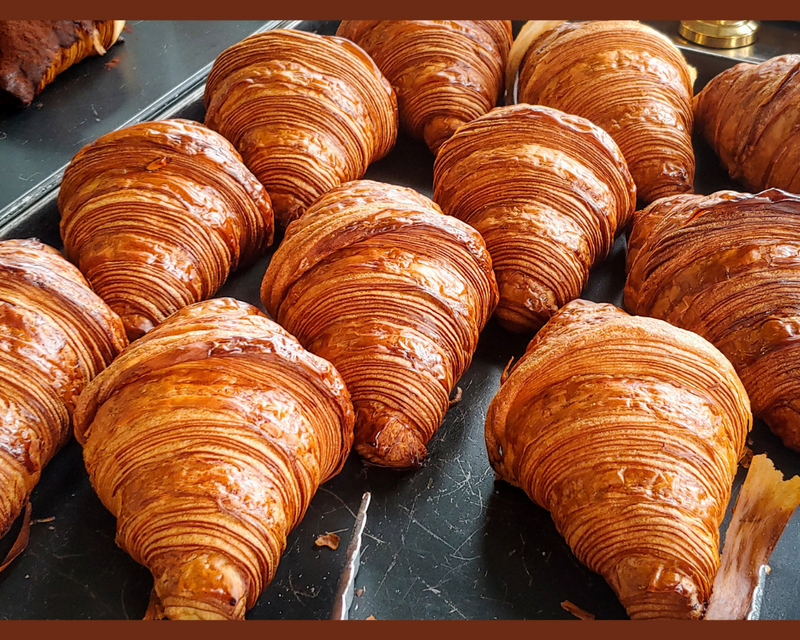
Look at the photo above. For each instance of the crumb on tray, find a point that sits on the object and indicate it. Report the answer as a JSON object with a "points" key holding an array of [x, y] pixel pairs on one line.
{"points": [[576, 611], [330, 540]]}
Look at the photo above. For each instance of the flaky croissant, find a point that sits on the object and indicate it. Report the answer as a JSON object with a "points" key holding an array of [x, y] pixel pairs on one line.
{"points": [[628, 430], [726, 267], [55, 336], [157, 215], [207, 439], [628, 79], [547, 191], [377, 280], [307, 112], [750, 116], [445, 72], [34, 52]]}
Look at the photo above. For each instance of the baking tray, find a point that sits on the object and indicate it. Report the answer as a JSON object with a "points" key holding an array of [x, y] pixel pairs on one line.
{"points": [[444, 541]]}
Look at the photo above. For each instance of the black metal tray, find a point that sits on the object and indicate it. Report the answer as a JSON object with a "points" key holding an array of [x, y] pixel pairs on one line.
{"points": [[444, 541]]}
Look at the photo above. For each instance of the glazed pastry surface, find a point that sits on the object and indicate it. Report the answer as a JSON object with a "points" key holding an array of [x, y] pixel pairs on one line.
{"points": [[55, 336], [750, 115], [377, 280], [628, 430], [726, 266], [628, 79], [157, 215], [547, 191], [307, 112], [445, 72], [207, 439]]}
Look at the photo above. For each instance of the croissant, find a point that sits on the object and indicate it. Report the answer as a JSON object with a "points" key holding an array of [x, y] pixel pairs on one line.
{"points": [[749, 116], [628, 79], [34, 52], [725, 266], [55, 336], [307, 113], [628, 430], [375, 279], [207, 439], [157, 215], [445, 72], [547, 191]]}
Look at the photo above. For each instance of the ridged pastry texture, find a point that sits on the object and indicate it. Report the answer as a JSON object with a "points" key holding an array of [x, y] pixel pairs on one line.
{"points": [[377, 280], [207, 439], [445, 72], [727, 266], [157, 215], [628, 79], [55, 336], [628, 430], [307, 113], [547, 191], [750, 116]]}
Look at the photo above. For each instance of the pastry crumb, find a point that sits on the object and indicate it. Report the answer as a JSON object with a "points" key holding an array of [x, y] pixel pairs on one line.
{"points": [[330, 540], [576, 611]]}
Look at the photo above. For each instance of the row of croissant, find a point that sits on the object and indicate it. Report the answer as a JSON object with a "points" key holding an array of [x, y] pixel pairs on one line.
{"points": [[208, 435]]}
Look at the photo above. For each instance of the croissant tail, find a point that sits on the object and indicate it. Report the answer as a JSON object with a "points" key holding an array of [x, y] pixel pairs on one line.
{"points": [[384, 437]]}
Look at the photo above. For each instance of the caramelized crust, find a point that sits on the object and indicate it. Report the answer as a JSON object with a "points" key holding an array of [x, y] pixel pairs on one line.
{"points": [[55, 336], [445, 72], [158, 214], [547, 191], [727, 266], [207, 439], [750, 116], [34, 52], [628, 431], [307, 113], [628, 79], [375, 279]]}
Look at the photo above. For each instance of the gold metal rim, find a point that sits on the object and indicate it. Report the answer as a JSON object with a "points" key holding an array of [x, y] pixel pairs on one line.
{"points": [[719, 34]]}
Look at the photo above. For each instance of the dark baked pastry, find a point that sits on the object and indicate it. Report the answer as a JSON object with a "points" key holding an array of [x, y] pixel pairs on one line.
{"points": [[749, 114], [207, 439], [55, 336], [157, 215], [445, 72], [307, 112], [377, 280], [34, 52]]}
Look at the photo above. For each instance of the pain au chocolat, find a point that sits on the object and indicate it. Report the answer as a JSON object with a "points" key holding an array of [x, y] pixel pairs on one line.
{"points": [[375, 279], [207, 439], [157, 215], [445, 72], [307, 113]]}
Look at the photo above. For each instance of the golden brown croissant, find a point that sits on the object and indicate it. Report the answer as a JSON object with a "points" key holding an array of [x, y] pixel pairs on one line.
{"points": [[307, 112], [55, 336], [547, 191], [34, 52], [377, 280], [207, 439], [750, 117], [445, 72], [726, 267], [628, 79], [157, 215], [628, 430]]}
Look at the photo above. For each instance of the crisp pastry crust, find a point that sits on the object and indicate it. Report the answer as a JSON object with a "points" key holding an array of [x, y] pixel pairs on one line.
{"points": [[445, 72], [727, 267], [377, 280], [628, 430], [55, 336], [157, 215], [207, 439], [34, 52], [750, 115], [547, 191], [628, 79], [307, 113]]}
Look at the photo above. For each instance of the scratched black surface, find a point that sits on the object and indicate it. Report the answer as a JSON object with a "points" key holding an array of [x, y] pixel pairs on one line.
{"points": [[445, 541]]}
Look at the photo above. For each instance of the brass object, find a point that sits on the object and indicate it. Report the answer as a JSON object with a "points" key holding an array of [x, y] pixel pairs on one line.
{"points": [[719, 34]]}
